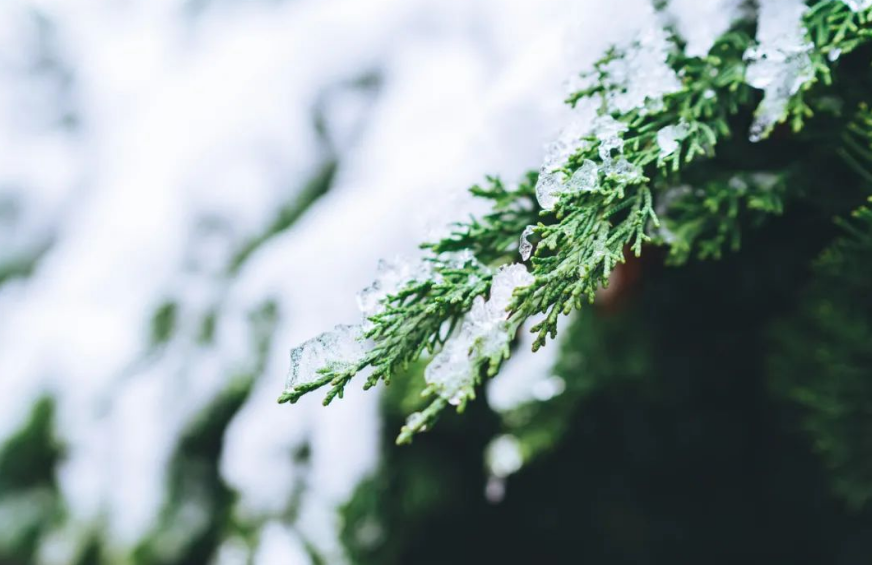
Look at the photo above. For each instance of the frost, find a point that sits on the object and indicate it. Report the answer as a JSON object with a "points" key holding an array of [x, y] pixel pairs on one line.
{"points": [[640, 76], [780, 64], [525, 248], [483, 334], [858, 5], [585, 178], [669, 137], [334, 349], [834, 55]]}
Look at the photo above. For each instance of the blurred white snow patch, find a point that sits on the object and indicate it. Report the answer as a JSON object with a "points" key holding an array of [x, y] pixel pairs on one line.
{"points": [[279, 545]]}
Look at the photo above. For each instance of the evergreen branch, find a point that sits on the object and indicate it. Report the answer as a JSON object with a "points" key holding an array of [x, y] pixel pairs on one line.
{"points": [[605, 206]]}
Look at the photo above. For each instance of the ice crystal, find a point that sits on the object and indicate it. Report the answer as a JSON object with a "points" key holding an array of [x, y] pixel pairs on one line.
{"points": [[337, 348], [780, 63], [525, 248], [483, 334], [669, 137]]}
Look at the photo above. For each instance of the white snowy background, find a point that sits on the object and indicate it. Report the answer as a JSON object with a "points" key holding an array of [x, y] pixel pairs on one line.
{"points": [[144, 143]]}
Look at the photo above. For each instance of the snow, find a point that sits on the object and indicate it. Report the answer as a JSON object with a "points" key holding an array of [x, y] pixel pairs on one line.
{"points": [[640, 77], [483, 334], [779, 64]]}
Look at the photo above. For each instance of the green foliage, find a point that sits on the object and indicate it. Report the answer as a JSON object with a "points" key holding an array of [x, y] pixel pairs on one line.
{"points": [[823, 358], [27, 485]]}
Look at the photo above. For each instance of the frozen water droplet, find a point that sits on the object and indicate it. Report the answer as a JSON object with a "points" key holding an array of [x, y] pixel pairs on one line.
{"points": [[834, 55], [333, 349], [525, 248]]}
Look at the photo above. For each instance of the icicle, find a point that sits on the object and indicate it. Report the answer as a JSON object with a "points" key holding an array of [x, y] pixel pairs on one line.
{"points": [[525, 248]]}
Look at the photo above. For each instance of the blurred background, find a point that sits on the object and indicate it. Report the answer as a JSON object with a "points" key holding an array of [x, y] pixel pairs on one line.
{"points": [[190, 188]]}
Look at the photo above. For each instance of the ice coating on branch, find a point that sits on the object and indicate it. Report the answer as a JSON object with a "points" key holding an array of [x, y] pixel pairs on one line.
{"points": [[334, 349], [639, 77], [525, 248], [779, 64], [609, 131], [568, 142], [858, 5], [483, 334], [585, 178], [548, 188], [669, 137], [391, 275], [701, 23], [622, 171]]}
